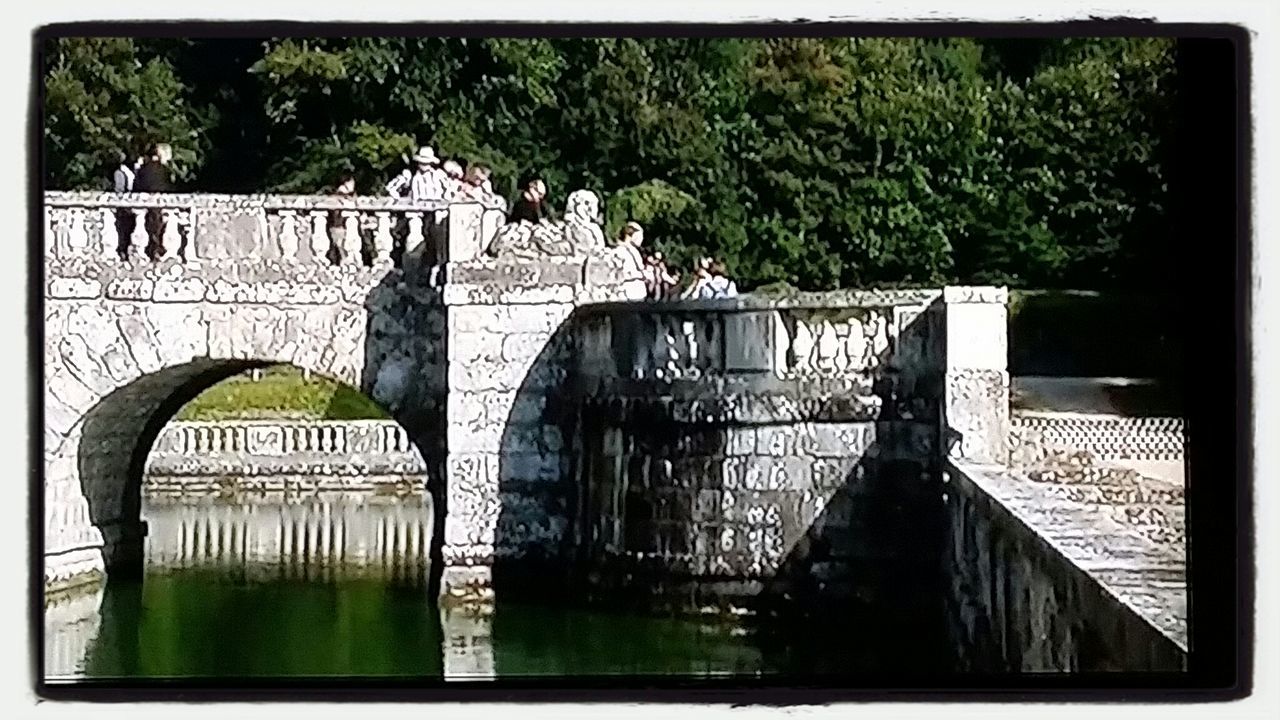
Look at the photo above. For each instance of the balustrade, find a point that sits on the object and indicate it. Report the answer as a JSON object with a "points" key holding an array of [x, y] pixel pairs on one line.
{"points": [[789, 340], [359, 231]]}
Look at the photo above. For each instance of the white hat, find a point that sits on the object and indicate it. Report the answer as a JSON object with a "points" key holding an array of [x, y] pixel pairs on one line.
{"points": [[426, 156]]}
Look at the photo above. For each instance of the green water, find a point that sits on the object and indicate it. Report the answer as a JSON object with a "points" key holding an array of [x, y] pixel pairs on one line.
{"points": [[335, 585], [205, 624]]}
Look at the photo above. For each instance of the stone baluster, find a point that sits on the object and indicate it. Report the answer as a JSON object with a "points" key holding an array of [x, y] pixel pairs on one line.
{"points": [[382, 240], [320, 240], [77, 236], [110, 233], [689, 330], [413, 244], [828, 348], [351, 252], [50, 238], [188, 218], [801, 348], [673, 352], [140, 237], [713, 339], [171, 236], [288, 235]]}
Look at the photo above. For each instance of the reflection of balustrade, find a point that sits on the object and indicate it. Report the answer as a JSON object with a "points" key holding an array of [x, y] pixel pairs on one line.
{"points": [[322, 535], [831, 338], [71, 624], [292, 228]]}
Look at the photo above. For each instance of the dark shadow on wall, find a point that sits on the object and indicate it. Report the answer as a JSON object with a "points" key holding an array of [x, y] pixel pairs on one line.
{"points": [[404, 360], [858, 591], [537, 537], [115, 438]]}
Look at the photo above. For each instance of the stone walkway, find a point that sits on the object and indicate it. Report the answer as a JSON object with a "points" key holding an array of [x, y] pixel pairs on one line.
{"points": [[1126, 531]]}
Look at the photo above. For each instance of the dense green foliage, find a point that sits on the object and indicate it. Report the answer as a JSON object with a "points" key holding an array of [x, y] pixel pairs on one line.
{"points": [[817, 163]]}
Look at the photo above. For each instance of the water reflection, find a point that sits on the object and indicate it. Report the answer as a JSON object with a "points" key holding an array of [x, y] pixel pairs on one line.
{"points": [[334, 584], [322, 536]]}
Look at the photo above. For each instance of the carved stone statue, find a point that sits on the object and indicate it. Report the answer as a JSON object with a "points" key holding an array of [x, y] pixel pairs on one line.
{"points": [[579, 234], [582, 223]]}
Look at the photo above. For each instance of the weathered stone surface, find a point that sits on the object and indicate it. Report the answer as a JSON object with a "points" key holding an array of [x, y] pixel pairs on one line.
{"points": [[130, 288], [760, 421], [953, 295], [185, 290], [1122, 595], [70, 287], [977, 413]]}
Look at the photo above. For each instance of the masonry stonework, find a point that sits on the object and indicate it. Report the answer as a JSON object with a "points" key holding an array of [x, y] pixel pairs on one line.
{"points": [[683, 454]]}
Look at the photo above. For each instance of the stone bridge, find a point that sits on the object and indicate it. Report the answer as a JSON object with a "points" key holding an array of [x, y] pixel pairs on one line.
{"points": [[684, 453], [385, 296]]}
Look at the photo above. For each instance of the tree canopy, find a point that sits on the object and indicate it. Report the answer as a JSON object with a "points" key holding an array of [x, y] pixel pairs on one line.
{"points": [[818, 163]]}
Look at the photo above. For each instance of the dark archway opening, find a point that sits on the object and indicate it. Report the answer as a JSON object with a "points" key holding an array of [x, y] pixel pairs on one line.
{"points": [[239, 576]]}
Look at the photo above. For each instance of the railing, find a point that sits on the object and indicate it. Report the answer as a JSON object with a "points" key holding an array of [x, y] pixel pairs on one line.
{"points": [[289, 228], [284, 437], [832, 335], [257, 448]]}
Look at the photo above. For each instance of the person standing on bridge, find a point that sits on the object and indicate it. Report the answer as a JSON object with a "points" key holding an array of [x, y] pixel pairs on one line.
{"points": [[532, 204], [153, 177], [344, 188], [426, 182], [126, 220], [476, 187]]}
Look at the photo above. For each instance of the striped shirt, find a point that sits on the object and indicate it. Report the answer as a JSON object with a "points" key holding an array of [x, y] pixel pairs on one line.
{"points": [[418, 186]]}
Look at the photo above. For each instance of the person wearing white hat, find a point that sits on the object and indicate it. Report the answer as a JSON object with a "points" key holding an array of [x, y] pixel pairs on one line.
{"points": [[426, 182]]}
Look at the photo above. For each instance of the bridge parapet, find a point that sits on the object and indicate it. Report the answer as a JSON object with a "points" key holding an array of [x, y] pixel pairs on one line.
{"points": [[371, 231], [814, 348]]}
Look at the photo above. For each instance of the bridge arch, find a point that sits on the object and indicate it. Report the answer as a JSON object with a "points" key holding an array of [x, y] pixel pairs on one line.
{"points": [[120, 364]]}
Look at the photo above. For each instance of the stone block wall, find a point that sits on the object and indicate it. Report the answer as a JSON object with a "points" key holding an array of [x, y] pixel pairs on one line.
{"points": [[685, 515], [1036, 584], [508, 340], [126, 345], [729, 454]]}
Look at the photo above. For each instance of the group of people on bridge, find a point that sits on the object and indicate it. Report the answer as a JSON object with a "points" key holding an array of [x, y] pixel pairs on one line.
{"points": [[428, 179]]}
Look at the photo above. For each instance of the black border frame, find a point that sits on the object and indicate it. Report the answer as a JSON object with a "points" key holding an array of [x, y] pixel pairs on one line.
{"points": [[1219, 515]]}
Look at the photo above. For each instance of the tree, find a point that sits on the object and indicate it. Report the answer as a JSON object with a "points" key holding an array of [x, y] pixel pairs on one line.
{"points": [[814, 163], [104, 96]]}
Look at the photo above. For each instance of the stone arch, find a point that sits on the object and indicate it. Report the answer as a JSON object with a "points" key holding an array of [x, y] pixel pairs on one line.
{"points": [[102, 463], [117, 368]]}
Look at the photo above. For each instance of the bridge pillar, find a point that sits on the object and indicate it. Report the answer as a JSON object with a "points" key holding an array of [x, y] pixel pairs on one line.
{"points": [[976, 404], [509, 491]]}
